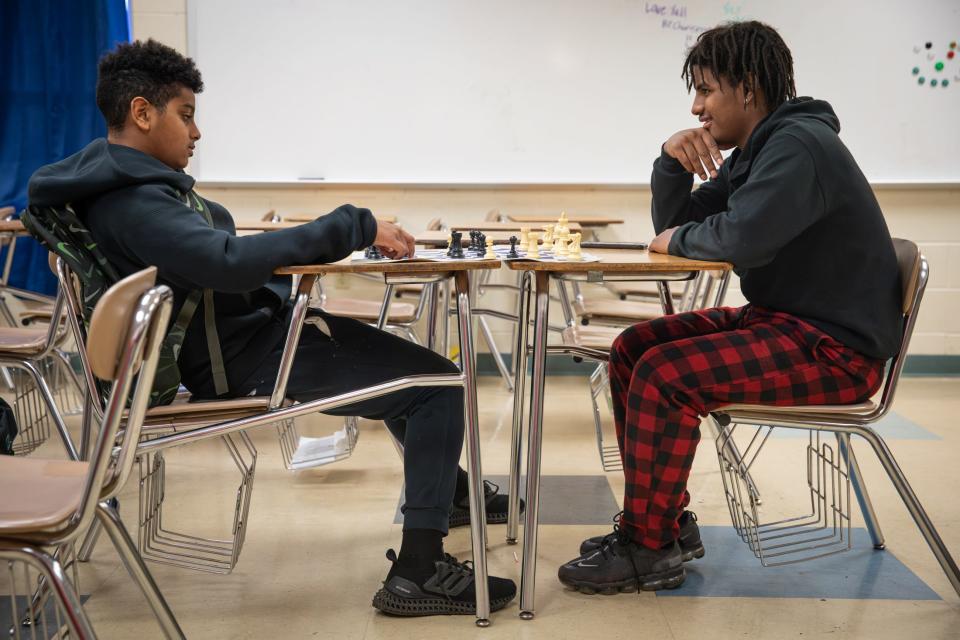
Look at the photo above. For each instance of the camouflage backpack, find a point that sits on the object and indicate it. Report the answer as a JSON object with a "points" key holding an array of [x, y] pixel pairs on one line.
{"points": [[60, 231]]}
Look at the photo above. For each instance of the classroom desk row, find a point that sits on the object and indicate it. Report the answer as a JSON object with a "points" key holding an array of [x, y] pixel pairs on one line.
{"points": [[615, 265], [534, 292]]}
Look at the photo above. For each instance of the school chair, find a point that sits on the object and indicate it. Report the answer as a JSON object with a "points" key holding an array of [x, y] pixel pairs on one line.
{"points": [[48, 504], [156, 541], [831, 472], [40, 370]]}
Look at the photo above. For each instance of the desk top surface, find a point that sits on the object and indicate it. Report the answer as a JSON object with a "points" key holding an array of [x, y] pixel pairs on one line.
{"points": [[486, 225], [7, 226], [307, 217], [405, 267], [585, 220], [621, 261]]}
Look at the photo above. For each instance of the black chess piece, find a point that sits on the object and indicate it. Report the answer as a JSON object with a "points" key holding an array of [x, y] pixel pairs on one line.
{"points": [[481, 243], [372, 253], [456, 247], [513, 248]]}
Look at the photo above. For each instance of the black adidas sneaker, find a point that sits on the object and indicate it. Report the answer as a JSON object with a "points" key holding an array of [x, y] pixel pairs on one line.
{"points": [[497, 506], [449, 591], [691, 546]]}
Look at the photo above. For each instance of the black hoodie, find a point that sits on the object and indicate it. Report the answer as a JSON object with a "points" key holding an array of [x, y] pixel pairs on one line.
{"points": [[133, 205], [797, 218]]}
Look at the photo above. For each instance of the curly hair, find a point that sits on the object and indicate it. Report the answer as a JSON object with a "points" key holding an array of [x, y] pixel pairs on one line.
{"points": [[749, 52], [147, 69]]}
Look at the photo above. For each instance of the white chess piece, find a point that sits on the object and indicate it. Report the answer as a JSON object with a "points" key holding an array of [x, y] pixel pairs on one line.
{"points": [[489, 254], [524, 236], [560, 248], [561, 227], [533, 250], [548, 237], [575, 253]]}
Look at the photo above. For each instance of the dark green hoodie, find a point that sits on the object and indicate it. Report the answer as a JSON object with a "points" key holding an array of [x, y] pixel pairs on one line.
{"points": [[133, 205], [797, 218]]}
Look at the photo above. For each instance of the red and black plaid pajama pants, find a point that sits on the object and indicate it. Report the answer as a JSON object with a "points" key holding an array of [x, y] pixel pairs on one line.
{"points": [[668, 372]]}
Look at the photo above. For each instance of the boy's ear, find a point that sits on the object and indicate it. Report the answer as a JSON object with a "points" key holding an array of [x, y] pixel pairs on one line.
{"points": [[142, 113]]}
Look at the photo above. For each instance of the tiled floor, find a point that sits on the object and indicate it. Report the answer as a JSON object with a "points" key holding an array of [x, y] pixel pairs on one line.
{"points": [[314, 549]]}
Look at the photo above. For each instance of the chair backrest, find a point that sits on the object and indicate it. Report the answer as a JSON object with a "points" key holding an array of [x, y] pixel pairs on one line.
{"points": [[914, 274], [126, 331], [436, 224], [110, 322], [493, 215]]}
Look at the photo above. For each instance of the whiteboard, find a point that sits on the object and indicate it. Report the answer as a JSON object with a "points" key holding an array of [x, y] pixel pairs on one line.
{"points": [[540, 91]]}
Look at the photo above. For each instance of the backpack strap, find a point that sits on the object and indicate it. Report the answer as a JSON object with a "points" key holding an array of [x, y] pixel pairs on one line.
{"points": [[217, 368]]}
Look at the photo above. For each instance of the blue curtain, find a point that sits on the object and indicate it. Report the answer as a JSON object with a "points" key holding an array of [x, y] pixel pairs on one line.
{"points": [[48, 72]]}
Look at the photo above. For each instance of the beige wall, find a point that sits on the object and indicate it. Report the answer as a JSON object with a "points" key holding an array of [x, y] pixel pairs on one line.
{"points": [[930, 217]]}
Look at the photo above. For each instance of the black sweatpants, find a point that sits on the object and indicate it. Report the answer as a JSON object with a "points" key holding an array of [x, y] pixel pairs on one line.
{"points": [[341, 355]]}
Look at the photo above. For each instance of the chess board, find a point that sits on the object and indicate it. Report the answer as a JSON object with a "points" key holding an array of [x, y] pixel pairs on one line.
{"points": [[500, 251]]}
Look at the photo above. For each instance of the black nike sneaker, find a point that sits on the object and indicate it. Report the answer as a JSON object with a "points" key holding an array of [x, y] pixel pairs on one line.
{"points": [[620, 565], [497, 506], [691, 546], [449, 591]]}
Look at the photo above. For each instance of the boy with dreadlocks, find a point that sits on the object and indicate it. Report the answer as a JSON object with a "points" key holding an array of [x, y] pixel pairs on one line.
{"points": [[791, 210]]}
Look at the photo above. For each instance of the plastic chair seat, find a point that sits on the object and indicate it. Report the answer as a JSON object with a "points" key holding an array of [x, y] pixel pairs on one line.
{"points": [[822, 409], [369, 310], [39, 495], [591, 337], [22, 341], [618, 310]]}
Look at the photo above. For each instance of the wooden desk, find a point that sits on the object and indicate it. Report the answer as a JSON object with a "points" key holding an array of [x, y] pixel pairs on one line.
{"points": [[259, 225], [440, 238], [485, 225], [307, 217], [583, 220], [613, 265], [12, 226], [431, 274]]}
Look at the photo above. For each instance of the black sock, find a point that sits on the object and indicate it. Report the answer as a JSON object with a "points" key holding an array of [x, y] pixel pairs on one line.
{"points": [[419, 550], [463, 487]]}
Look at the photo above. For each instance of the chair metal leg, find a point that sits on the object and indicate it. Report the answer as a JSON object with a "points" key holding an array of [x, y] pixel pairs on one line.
{"points": [[534, 443], [912, 503], [860, 490], [51, 408], [478, 516], [135, 566], [519, 393], [495, 352], [53, 575]]}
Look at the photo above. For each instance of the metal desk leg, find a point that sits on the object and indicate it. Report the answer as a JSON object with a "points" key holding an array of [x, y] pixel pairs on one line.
{"points": [[478, 516], [445, 317], [534, 441], [297, 316], [385, 307], [519, 390], [666, 299], [433, 291]]}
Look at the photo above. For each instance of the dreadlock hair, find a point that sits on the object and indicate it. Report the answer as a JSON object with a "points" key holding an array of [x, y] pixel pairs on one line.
{"points": [[147, 69], [749, 52]]}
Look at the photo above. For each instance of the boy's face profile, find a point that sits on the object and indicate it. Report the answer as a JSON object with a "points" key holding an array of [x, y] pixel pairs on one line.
{"points": [[720, 107], [171, 133]]}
